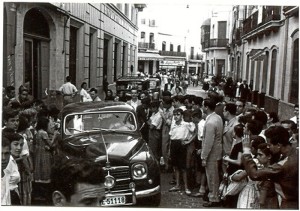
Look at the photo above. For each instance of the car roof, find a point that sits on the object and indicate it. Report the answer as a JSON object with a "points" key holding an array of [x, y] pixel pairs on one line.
{"points": [[132, 78], [85, 107]]}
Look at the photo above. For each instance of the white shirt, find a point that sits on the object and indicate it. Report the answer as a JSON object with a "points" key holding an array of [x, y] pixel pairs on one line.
{"points": [[181, 131], [14, 174], [156, 120], [85, 96], [200, 129], [68, 88]]}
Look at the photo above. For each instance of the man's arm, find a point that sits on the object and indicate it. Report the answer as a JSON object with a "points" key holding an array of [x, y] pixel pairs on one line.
{"points": [[208, 142], [260, 174]]}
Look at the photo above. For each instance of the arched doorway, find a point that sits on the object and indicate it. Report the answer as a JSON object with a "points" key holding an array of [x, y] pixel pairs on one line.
{"points": [[36, 52]]}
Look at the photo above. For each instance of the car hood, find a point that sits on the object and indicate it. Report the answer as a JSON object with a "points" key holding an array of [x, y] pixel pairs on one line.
{"points": [[119, 146]]}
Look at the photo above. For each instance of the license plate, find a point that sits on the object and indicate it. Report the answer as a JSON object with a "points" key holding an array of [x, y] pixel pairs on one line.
{"points": [[114, 200]]}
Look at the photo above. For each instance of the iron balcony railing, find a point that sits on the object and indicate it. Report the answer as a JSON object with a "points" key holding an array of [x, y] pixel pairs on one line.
{"points": [[218, 43], [147, 45], [172, 53], [269, 13]]}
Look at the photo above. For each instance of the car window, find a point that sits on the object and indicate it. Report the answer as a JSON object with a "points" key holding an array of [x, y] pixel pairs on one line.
{"points": [[78, 123]]}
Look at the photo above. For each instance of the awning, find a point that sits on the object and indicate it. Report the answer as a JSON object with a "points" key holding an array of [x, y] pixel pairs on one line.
{"points": [[150, 56]]}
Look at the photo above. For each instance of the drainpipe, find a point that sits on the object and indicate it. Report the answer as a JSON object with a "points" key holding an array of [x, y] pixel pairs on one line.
{"points": [[284, 57]]}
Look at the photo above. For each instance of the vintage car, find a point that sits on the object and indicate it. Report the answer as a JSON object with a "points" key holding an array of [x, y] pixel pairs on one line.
{"points": [[107, 132], [124, 84]]}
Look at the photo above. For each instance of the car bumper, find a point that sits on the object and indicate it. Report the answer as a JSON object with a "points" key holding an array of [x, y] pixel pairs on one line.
{"points": [[148, 192]]}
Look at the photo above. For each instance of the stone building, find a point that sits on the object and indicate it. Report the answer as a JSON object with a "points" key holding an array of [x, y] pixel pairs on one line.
{"points": [[45, 42], [264, 47]]}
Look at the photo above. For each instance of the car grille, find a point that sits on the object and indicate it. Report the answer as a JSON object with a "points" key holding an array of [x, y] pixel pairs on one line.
{"points": [[122, 176]]}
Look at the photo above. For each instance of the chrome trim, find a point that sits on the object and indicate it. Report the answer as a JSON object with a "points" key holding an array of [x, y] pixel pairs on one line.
{"points": [[149, 192]]}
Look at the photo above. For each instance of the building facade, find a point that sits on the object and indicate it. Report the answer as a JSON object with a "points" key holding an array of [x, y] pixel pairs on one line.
{"points": [[264, 47], [45, 42], [215, 32], [159, 50]]}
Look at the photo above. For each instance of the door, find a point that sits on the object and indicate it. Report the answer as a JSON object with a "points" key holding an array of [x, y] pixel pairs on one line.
{"points": [[36, 74], [44, 73]]}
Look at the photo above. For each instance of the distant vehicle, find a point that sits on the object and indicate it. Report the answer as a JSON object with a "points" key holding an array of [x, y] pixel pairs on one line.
{"points": [[108, 133], [126, 83]]}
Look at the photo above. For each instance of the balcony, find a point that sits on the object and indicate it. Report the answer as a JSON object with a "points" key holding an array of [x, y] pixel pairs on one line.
{"points": [[218, 43], [270, 14], [270, 22], [172, 53], [250, 23], [291, 11], [145, 45]]}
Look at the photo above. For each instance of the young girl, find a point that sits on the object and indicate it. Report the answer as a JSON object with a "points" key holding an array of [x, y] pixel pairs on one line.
{"points": [[43, 157], [268, 196], [16, 146]]}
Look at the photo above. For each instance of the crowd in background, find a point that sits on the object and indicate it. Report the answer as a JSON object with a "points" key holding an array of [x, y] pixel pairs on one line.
{"points": [[197, 140]]}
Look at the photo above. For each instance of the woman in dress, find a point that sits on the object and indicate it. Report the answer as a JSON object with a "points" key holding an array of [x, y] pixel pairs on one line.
{"points": [[43, 158], [249, 196], [234, 161], [84, 95]]}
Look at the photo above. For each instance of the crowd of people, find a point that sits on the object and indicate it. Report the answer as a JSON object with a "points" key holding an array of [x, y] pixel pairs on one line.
{"points": [[198, 140], [201, 141]]}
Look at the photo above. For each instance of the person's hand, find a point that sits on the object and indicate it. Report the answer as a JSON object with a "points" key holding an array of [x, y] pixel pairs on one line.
{"points": [[204, 163], [199, 151], [246, 141], [225, 158]]}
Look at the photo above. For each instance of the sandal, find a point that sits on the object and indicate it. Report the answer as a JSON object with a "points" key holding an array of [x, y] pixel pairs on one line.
{"points": [[174, 189]]}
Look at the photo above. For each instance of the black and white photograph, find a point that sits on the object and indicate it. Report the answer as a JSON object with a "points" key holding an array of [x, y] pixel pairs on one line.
{"points": [[150, 104]]}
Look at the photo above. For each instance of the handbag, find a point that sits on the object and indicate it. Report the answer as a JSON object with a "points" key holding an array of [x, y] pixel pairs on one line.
{"points": [[235, 187], [223, 187]]}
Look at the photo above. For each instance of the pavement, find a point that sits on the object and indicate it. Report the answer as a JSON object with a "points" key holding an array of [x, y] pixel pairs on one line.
{"points": [[176, 199]]}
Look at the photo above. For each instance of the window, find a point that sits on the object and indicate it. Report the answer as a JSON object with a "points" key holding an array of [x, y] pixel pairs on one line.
{"points": [[192, 53], [163, 47], [273, 71], [295, 73], [142, 35], [171, 47], [143, 21], [178, 48]]}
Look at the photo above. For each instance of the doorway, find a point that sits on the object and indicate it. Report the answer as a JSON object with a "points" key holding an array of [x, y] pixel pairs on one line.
{"points": [[36, 53]]}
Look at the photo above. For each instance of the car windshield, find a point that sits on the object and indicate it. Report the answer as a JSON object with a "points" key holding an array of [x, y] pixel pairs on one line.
{"points": [[79, 123]]}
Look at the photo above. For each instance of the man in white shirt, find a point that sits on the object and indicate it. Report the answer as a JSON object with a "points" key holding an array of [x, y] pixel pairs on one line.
{"points": [[68, 91], [93, 94], [134, 102], [179, 133]]}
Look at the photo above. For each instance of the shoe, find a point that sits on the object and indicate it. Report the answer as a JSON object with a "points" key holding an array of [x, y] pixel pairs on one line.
{"points": [[173, 182], [197, 194], [205, 198], [187, 192], [174, 189], [212, 204]]}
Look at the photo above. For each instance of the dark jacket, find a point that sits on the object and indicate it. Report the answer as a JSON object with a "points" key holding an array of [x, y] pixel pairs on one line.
{"points": [[285, 173]]}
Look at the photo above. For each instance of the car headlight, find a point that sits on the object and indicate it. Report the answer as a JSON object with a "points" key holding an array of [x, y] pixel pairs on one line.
{"points": [[139, 171], [109, 182]]}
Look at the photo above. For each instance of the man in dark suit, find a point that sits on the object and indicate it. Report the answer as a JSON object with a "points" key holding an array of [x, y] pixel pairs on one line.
{"points": [[169, 85], [244, 90], [143, 114]]}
